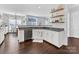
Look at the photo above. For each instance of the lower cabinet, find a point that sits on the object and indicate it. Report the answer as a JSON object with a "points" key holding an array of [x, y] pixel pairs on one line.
{"points": [[37, 34], [53, 37], [48, 35], [2, 33], [20, 35]]}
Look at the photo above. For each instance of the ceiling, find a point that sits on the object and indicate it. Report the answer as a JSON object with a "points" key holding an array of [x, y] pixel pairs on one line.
{"points": [[28, 9]]}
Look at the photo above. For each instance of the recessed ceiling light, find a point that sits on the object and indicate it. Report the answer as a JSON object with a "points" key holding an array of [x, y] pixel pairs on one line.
{"points": [[39, 7]]}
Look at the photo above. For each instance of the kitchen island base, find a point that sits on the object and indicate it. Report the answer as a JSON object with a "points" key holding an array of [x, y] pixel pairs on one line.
{"points": [[55, 36]]}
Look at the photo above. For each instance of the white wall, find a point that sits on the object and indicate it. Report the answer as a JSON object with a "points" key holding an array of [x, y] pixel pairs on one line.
{"points": [[74, 21], [67, 21]]}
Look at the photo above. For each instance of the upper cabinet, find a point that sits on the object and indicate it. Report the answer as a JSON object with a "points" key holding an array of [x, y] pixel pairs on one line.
{"points": [[57, 14]]}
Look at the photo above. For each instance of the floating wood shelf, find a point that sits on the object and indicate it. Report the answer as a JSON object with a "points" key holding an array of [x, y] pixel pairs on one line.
{"points": [[57, 22], [57, 10], [57, 16]]}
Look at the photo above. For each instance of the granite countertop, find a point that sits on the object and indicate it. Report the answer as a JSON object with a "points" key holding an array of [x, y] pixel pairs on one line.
{"points": [[46, 27]]}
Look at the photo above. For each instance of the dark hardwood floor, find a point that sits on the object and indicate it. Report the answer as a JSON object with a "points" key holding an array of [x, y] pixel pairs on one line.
{"points": [[11, 46]]}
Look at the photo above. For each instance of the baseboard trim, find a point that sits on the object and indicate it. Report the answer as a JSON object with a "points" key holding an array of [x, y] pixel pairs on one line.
{"points": [[73, 38], [51, 44], [2, 42]]}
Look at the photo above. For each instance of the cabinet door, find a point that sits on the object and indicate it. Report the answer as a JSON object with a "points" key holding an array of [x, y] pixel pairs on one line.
{"points": [[41, 34], [44, 34], [55, 38], [34, 34], [52, 37], [48, 35], [1, 35], [61, 38], [21, 35], [37, 34]]}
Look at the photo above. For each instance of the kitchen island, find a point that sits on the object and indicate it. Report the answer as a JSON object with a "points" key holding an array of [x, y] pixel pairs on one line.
{"points": [[52, 35]]}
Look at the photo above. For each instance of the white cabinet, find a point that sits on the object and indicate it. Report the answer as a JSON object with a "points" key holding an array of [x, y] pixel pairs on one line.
{"points": [[6, 30], [20, 35], [48, 35], [37, 35], [2, 32], [54, 37], [34, 34]]}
